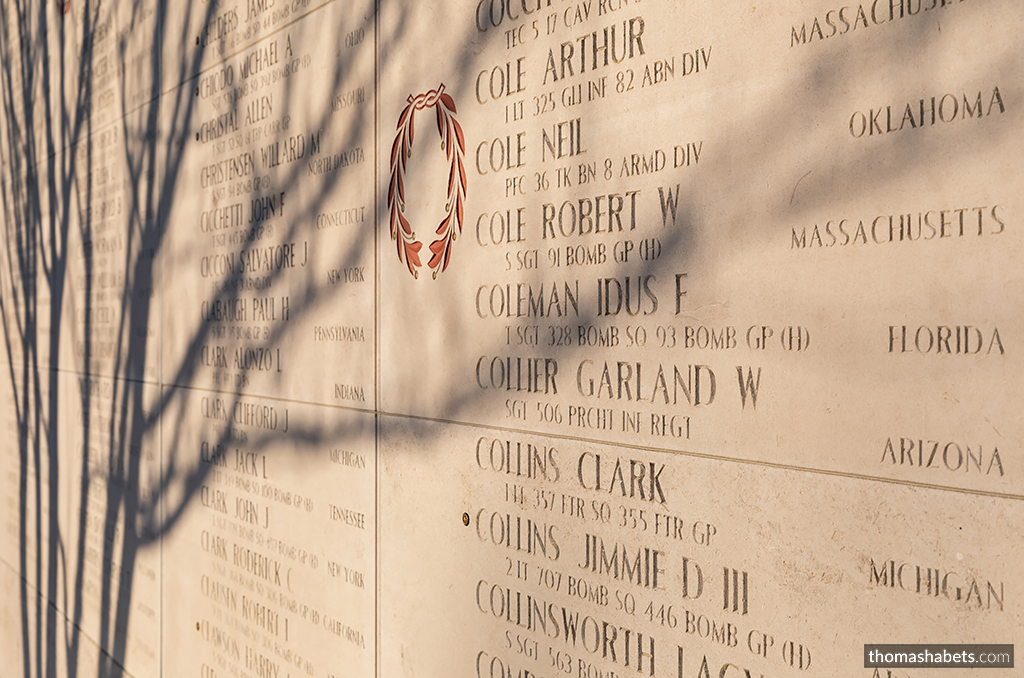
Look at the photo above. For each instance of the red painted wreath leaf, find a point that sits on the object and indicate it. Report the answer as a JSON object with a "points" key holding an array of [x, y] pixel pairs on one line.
{"points": [[412, 256], [449, 103], [441, 249], [443, 254], [406, 226], [394, 149], [458, 133], [412, 260]]}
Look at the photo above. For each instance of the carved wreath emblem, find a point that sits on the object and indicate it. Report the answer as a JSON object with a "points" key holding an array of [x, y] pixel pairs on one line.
{"points": [[454, 145]]}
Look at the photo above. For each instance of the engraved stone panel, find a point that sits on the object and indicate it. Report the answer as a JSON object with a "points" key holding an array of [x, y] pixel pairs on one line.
{"points": [[508, 337], [110, 461], [579, 558], [273, 506], [664, 246], [30, 488], [271, 239], [113, 300]]}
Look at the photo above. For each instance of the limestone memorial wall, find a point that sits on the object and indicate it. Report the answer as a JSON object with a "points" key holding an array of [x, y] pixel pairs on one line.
{"points": [[509, 338]]}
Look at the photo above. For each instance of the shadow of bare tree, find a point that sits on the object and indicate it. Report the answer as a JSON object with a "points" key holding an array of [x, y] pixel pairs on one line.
{"points": [[128, 163]]}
